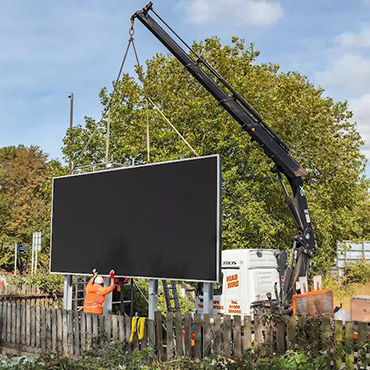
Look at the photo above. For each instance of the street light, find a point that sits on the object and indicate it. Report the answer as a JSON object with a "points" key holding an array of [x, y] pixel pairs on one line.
{"points": [[70, 96]]}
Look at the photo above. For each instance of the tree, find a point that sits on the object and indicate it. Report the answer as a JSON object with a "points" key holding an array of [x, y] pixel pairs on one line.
{"points": [[25, 198], [319, 131]]}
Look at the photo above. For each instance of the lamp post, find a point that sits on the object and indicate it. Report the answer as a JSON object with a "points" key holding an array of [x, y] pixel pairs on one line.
{"points": [[70, 96]]}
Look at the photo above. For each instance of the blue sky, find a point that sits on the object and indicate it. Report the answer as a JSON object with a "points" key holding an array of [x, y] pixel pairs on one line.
{"points": [[51, 48]]}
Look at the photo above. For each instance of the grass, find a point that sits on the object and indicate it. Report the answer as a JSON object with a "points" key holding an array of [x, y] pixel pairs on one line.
{"points": [[343, 292]]}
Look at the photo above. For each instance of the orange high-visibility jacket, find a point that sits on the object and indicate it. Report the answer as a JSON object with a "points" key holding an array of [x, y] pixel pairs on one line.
{"points": [[94, 298]]}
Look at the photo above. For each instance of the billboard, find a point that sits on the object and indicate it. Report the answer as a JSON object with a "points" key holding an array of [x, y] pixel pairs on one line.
{"points": [[156, 221]]}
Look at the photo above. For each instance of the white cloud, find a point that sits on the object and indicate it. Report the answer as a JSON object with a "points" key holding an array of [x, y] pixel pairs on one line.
{"points": [[350, 71], [361, 112], [347, 73], [242, 12], [351, 40]]}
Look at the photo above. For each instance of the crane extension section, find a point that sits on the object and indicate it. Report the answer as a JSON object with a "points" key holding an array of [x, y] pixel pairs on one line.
{"points": [[272, 145]]}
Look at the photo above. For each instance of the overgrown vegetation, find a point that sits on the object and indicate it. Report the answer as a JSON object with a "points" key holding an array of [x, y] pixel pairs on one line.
{"points": [[25, 202], [114, 357], [356, 281], [48, 283], [357, 272]]}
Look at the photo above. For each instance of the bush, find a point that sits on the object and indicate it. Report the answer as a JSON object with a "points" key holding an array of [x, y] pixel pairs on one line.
{"points": [[357, 272], [113, 356], [141, 305], [48, 283]]}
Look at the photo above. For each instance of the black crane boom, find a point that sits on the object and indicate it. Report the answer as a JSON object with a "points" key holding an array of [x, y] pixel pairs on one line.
{"points": [[272, 145]]}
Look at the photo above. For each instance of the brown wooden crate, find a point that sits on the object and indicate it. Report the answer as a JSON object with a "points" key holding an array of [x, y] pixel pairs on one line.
{"points": [[360, 309]]}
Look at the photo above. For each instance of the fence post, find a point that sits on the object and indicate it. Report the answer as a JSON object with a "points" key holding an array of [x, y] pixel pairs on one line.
{"points": [[198, 335], [76, 331], [169, 335], [38, 326], [247, 333], [217, 334], [151, 333], [128, 322], [280, 337], [114, 320], [257, 331], [188, 334], [291, 333], [326, 340], [121, 326], [13, 323], [178, 332], [28, 326], [207, 338], [227, 335], [53, 327], [237, 337], [60, 331], [338, 333], [158, 333], [361, 350], [349, 342], [18, 323]]}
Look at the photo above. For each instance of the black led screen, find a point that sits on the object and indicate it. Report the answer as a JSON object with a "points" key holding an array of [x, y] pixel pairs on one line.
{"points": [[151, 221]]}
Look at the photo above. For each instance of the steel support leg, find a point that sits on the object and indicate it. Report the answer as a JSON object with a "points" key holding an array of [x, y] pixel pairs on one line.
{"points": [[67, 292], [107, 308], [153, 298], [208, 298]]}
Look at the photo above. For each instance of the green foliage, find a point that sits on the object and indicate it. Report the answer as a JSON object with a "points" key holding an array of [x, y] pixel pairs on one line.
{"points": [[113, 356], [320, 132], [25, 201], [299, 361], [357, 272], [49, 283], [186, 305], [141, 305]]}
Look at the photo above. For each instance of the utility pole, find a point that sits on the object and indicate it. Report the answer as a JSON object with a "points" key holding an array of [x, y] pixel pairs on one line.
{"points": [[15, 259], [70, 96], [107, 141]]}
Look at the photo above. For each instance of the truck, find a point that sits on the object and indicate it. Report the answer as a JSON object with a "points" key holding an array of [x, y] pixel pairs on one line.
{"points": [[284, 165], [248, 277]]}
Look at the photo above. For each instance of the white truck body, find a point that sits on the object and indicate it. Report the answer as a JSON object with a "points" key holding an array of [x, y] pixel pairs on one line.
{"points": [[247, 276]]}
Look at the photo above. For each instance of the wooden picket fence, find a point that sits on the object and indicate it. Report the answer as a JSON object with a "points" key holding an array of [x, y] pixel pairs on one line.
{"points": [[28, 294], [31, 329]]}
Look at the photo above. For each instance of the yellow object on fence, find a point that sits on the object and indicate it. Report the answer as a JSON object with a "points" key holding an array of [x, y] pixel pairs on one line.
{"points": [[137, 325]]}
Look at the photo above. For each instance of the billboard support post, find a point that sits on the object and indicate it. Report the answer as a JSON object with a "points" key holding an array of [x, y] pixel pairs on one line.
{"points": [[67, 292], [208, 298], [107, 308], [153, 298]]}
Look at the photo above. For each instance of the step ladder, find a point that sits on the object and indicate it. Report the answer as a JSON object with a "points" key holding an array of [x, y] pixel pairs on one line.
{"points": [[168, 298], [78, 293]]}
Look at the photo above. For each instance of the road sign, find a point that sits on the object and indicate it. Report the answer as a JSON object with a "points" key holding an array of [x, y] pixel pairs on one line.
{"points": [[36, 241], [23, 248]]}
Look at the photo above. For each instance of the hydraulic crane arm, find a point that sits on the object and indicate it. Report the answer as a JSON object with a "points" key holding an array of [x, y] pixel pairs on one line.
{"points": [[252, 122]]}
